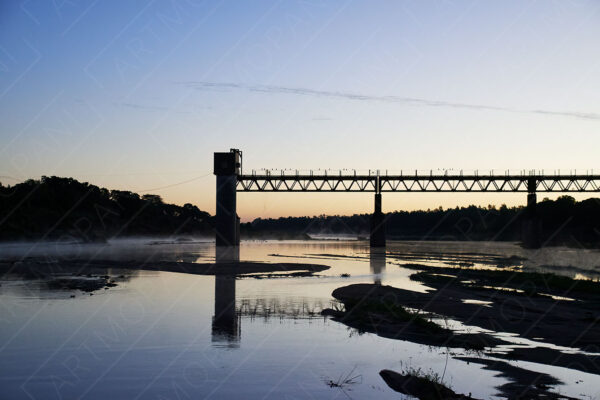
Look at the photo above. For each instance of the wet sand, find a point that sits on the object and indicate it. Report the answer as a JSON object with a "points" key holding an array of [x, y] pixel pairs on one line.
{"points": [[89, 276], [419, 386], [547, 309], [221, 268]]}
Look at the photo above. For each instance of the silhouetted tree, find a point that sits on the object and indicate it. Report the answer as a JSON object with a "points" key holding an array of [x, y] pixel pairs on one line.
{"points": [[64, 208], [564, 221]]}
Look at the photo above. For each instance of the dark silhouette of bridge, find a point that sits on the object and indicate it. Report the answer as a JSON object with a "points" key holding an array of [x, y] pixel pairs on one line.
{"points": [[230, 180]]}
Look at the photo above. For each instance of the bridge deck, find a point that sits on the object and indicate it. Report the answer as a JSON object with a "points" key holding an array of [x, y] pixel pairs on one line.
{"points": [[418, 183]]}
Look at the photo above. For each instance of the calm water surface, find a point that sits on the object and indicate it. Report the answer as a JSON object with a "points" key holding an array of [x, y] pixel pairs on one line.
{"points": [[162, 335]]}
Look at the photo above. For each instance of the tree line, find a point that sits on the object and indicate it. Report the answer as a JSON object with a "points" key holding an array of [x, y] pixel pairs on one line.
{"points": [[561, 221], [64, 208]]}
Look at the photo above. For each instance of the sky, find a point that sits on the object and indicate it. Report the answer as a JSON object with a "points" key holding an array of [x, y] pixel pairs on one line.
{"points": [[138, 95]]}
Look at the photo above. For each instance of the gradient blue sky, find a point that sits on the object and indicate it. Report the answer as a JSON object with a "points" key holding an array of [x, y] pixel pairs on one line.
{"points": [[137, 95]]}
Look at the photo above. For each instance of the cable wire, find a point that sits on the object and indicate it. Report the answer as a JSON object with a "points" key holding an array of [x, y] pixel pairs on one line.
{"points": [[174, 184]]}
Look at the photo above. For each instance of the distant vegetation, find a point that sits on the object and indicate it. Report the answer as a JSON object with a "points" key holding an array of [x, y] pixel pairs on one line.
{"points": [[564, 221], [63, 208]]}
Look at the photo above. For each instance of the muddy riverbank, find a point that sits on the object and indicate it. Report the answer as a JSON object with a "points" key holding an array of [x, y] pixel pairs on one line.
{"points": [[558, 313]]}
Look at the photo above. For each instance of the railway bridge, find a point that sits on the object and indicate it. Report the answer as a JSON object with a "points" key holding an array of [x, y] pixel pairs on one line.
{"points": [[231, 179]]}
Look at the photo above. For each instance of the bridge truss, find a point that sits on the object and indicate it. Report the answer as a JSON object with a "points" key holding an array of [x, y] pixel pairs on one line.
{"points": [[530, 183]]}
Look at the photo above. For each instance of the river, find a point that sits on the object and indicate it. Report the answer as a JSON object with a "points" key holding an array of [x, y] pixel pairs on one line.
{"points": [[168, 335]]}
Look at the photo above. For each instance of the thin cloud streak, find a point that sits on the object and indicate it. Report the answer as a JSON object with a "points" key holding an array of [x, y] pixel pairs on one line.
{"points": [[143, 107], [268, 89]]}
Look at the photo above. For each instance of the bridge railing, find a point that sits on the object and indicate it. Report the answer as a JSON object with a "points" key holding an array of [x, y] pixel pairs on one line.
{"points": [[348, 172]]}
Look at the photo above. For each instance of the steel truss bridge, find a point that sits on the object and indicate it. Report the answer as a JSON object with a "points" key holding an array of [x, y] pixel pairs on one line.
{"points": [[231, 180], [376, 183]]}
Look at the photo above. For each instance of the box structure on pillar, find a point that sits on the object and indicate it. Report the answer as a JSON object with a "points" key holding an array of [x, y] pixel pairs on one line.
{"points": [[228, 163]]}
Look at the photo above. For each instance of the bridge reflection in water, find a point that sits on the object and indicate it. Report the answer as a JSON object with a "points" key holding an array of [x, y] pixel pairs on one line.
{"points": [[226, 321]]}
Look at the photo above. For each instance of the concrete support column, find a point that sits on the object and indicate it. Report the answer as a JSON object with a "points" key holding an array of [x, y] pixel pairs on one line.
{"points": [[531, 224], [377, 238], [226, 168], [227, 221]]}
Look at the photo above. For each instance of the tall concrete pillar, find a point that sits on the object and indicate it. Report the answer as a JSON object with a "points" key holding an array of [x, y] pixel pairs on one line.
{"points": [[377, 238], [532, 227], [226, 168]]}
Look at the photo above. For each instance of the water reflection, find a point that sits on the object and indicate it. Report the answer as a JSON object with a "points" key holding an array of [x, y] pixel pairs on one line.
{"points": [[226, 327], [31, 329], [377, 259]]}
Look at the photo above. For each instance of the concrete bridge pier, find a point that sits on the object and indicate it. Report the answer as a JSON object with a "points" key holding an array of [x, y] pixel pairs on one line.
{"points": [[532, 227], [227, 168], [377, 237]]}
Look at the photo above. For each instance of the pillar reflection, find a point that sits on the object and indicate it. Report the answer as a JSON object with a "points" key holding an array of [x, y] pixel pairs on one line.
{"points": [[226, 328], [377, 260]]}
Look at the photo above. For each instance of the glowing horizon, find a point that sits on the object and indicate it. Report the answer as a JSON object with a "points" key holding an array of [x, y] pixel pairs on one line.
{"points": [[310, 204]]}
